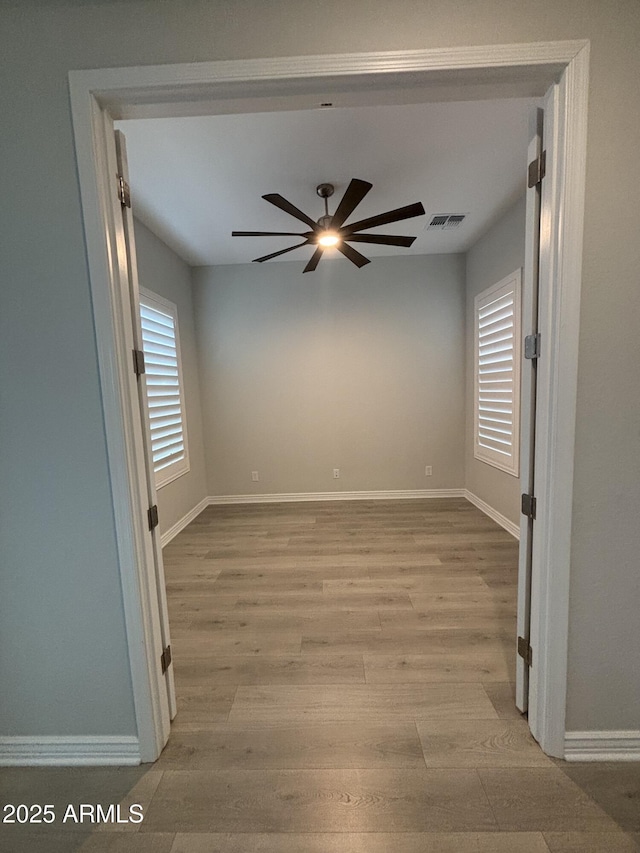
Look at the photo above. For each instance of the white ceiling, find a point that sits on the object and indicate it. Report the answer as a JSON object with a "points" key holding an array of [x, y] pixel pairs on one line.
{"points": [[195, 179]]}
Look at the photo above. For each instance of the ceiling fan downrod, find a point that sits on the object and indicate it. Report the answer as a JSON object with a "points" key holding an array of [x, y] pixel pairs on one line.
{"points": [[325, 191]]}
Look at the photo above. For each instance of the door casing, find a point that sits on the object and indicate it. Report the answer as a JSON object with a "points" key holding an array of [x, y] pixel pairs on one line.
{"points": [[100, 96]]}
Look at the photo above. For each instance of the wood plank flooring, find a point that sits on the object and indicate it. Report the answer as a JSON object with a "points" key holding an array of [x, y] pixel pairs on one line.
{"points": [[344, 678]]}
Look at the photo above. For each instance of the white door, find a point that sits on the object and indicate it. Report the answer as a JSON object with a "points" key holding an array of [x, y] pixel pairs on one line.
{"points": [[541, 125], [155, 568]]}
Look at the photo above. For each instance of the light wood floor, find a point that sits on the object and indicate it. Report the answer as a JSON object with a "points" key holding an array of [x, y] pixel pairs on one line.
{"points": [[344, 677]]}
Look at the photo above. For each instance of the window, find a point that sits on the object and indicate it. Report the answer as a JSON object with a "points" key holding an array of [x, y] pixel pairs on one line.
{"points": [[497, 374], [165, 396]]}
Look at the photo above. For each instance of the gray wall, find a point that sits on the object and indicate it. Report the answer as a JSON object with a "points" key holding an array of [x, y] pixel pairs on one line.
{"points": [[360, 370], [499, 252], [163, 272], [62, 636]]}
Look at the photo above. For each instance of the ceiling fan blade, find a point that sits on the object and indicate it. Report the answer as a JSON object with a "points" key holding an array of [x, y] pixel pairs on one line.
{"points": [[275, 254], [314, 260], [354, 194], [382, 239], [396, 215], [354, 256], [291, 209], [267, 234]]}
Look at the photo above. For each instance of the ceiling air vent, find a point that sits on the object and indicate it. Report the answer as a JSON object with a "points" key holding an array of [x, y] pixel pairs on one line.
{"points": [[445, 221]]}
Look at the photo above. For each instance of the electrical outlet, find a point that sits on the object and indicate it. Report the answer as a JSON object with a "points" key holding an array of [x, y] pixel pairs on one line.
{"points": [[428, 470], [336, 473], [255, 476]]}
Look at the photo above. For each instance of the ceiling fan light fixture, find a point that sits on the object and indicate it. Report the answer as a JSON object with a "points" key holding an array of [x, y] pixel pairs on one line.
{"points": [[328, 239]]}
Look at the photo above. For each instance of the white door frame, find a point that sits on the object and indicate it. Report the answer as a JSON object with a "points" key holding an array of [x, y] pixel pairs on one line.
{"points": [[100, 96]]}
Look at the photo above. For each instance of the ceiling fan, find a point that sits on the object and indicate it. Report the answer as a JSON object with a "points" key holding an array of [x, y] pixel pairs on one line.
{"points": [[331, 231]]}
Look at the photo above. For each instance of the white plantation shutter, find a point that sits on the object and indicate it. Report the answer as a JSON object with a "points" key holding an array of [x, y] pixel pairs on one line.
{"points": [[165, 397], [497, 374]]}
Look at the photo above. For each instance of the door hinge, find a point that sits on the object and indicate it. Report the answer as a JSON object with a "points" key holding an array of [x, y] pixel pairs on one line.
{"points": [[529, 506], [152, 514], [537, 170], [532, 346], [165, 659], [524, 650], [138, 362], [124, 193]]}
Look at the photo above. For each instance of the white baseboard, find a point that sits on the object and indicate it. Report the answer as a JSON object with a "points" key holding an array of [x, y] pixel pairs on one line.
{"points": [[180, 525], [64, 751], [500, 519], [602, 746], [336, 496], [294, 497]]}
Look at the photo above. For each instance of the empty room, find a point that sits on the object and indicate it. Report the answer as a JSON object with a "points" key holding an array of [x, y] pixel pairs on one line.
{"points": [[330, 421]]}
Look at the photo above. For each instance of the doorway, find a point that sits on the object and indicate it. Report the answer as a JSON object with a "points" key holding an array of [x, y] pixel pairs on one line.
{"points": [[99, 97]]}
